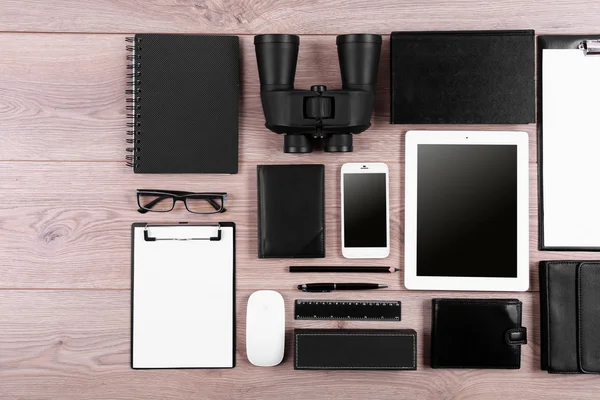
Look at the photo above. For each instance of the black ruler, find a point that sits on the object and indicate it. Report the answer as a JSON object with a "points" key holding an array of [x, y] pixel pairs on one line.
{"points": [[365, 310]]}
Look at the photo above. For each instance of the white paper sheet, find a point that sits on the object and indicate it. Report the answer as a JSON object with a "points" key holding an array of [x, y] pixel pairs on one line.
{"points": [[183, 299], [571, 148]]}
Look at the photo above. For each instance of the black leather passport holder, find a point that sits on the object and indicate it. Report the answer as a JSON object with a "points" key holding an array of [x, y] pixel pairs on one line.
{"points": [[570, 316], [368, 349], [477, 333], [463, 77], [291, 211]]}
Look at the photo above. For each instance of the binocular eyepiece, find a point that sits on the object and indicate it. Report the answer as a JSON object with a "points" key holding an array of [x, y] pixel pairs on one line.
{"points": [[305, 116]]}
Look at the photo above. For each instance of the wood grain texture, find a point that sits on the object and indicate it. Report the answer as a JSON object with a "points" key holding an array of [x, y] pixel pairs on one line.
{"points": [[67, 201], [69, 91], [307, 17], [67, 224], [75, 344]]}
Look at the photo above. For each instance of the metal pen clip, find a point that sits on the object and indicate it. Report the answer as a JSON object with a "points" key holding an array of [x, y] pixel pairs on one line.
{"points": [[591, 47]]}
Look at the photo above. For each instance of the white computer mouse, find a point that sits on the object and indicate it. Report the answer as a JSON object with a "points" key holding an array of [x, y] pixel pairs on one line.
{"points": [[265, 328]]}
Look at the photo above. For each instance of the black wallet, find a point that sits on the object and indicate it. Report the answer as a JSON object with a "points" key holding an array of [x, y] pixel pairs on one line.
{"points": [[477, 333], [570, 316], [291, 211], [463, 77], [368, 349]]}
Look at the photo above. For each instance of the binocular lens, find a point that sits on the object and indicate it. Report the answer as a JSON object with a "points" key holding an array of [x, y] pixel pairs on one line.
{"points": [[305, 119], [277, 56], [339, 142], [296, 144], [359, 59]]}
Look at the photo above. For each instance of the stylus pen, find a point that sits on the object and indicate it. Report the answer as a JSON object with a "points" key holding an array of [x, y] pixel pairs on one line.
{"points": [[343, 269], [328, 287]]}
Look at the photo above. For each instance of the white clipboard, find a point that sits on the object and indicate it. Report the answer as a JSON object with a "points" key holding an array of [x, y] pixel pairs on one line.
{"points": [[183, 296]]}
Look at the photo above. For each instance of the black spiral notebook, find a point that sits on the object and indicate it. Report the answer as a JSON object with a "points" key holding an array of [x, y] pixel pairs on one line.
{"points": [[183, 103]]}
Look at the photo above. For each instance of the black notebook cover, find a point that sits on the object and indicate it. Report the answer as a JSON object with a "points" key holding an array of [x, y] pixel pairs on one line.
{"points": [[184, 104], [472, 77]]}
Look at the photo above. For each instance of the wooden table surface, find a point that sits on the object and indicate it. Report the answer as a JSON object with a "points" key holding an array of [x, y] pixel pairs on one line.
{"points": [[67, 200]]}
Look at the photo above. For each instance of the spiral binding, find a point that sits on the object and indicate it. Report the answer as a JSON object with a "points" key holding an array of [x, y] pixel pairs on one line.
{"points": [[133, 106]]}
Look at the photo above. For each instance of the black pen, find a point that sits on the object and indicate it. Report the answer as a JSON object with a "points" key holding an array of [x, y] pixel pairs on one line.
{"points": [[343, 269], [328, 287]]}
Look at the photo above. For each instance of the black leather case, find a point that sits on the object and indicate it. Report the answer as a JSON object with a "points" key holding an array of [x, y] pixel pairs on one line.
{"points": [[368, 349], [477, 333], [468, 77], [570, 316], [291, 211]]}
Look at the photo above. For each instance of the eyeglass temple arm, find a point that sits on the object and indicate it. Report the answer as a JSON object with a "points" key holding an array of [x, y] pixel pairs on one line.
{"points": [[216, 205], [152, 204]]}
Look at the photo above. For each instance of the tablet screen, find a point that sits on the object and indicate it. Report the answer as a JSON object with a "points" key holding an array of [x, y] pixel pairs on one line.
{"points": [[467, 210]]}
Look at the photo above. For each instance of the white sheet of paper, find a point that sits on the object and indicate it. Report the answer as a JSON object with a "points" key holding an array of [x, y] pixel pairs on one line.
{"points": [[183, 299], [571, 148]]}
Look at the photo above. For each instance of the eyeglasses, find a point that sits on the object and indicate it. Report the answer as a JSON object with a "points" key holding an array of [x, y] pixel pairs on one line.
{"points": [[164, 201]]}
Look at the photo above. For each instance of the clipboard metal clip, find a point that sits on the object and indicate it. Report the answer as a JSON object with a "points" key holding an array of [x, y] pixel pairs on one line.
{"points": [[591, 47], [149, 238]]}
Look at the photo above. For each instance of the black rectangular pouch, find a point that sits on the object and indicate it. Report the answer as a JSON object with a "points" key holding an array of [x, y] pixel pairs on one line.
{"points": [[367, 349], [463, 77], [477, 333], [291, 211], [570, 316]]}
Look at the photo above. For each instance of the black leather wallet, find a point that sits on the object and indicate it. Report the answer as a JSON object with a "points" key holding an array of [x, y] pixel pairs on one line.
{"points": [[570, 316], [384, 349], [477, 333], [291, 211]]}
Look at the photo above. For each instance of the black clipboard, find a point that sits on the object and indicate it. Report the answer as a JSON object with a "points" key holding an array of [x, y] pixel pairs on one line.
{"points": [[590, 46]]}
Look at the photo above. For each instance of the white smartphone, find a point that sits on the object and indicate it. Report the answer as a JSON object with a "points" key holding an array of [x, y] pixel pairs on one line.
{"points": [[365, 191]]}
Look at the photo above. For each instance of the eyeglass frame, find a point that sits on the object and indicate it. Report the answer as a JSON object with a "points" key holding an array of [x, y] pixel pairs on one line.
{"points": [[182, 196]]}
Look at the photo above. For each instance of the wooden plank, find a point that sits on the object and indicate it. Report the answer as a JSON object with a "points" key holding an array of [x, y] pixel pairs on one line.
{"points": [[64, 99], [315, 17], [67, 225], [76, 344]]}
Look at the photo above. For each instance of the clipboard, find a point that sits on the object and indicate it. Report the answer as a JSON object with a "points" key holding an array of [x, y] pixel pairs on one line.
{"points": [[568, 142], [183, 296]]}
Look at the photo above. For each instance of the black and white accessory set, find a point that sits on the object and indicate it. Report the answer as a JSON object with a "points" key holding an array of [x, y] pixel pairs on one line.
{"points": [[466, 197]]}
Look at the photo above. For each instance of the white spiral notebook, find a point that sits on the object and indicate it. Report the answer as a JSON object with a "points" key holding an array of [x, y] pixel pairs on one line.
{"points": [[183, 296]]}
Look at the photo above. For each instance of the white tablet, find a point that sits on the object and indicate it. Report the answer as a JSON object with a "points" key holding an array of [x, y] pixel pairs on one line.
{"points": [[467, 211]]}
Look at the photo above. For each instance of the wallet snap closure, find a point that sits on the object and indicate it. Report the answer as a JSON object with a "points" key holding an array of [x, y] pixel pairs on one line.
{"points": [[516, 336]]}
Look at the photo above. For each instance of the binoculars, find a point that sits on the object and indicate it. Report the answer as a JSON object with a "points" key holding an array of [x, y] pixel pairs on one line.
{"points": [[306, 117]]}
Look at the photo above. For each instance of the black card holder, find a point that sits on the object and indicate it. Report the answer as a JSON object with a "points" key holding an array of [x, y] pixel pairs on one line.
{"points": [[570, 316], [355, 349], [477, 333], [291, 211]]}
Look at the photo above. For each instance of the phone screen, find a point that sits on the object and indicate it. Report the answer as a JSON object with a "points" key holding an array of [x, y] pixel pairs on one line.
{"points": [[365, 209]]}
